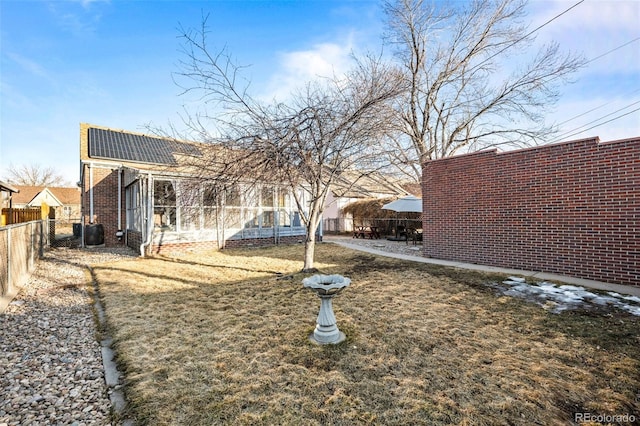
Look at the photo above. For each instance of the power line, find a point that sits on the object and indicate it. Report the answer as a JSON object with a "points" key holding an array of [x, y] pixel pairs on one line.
{"points": [[587, 62], [606, 103], [598, 107], [612, 50], [529, 33], [519, 40], [599, 118], [600, 124]]}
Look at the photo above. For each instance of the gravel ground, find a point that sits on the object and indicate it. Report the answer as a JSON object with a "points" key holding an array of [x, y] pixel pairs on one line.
{"points": [[51, 367]]}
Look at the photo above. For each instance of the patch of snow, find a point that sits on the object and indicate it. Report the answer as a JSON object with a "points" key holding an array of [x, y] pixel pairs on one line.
{"points": [[566, 297], [630, 298], [633, 310]]}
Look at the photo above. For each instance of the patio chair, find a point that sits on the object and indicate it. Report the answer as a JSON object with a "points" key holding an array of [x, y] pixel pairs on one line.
{"points": [[401, 231], [412, 234]]}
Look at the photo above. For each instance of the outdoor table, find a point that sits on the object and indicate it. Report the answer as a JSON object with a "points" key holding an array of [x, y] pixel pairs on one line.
{"points": [[374, 232], [359, 231], [366, 231]]}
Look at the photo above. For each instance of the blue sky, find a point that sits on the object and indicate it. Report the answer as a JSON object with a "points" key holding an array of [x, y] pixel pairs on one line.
{"points": [[110, 62]]}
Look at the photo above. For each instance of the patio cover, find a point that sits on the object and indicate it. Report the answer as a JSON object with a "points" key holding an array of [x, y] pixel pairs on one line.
{"points": [[409, 203]]}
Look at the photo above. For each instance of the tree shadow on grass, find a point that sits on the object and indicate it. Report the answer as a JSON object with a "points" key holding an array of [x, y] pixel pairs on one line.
{"points": [[459, 351]]}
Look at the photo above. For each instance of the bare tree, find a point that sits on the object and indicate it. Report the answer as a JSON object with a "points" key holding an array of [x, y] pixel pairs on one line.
{"points": [[34, 175], [328, 127], [472, 82]]}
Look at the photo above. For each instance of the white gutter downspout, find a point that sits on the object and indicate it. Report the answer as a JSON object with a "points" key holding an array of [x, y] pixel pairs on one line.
{"points": [[91, 193], [119, 233], [149, 224], [83, 209], [119, 198]]}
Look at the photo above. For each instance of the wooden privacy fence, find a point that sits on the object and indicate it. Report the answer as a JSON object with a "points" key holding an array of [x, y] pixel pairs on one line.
{"points": [[20, 247], [11, 216]]}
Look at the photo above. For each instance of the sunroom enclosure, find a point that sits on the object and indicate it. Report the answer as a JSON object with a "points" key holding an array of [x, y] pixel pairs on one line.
{"points": [[175, 210]]}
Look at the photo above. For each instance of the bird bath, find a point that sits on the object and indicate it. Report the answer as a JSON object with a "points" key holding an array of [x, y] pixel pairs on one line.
{"points": [[326, 286]]}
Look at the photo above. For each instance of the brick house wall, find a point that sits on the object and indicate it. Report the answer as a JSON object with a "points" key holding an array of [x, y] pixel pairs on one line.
{"points": [[570, 208], [134, 239], [105, 202], [213, 245]]}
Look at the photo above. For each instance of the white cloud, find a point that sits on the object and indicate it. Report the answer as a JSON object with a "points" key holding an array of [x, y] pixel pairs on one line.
{"points": [[299, 67], [606, 89], [598, 16], [87, 3], [29, 65], [593, 28], [79, 22]]}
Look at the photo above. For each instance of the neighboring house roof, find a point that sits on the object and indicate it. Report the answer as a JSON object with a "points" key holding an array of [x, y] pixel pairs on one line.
{"points": [[413, 188], [371, 185], [66, 195], [45, 196], [5, 187], [33, 194]]}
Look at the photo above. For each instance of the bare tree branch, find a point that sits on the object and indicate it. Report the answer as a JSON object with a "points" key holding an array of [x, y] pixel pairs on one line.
{"points": [[328, 127], [460, 94], [35, 175]]}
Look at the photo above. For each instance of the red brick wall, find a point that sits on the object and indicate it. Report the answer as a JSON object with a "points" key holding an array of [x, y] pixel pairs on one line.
{"points": [[263, 242], [570, 208], [183, 247], [134, 239], [105, 202]]}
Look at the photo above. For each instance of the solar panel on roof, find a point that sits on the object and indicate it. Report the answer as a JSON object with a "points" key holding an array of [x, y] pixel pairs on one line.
{"points": [[109, 144]]}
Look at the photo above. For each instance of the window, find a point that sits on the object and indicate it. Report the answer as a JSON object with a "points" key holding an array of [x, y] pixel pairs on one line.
{"points": [[164, 204], [189, 202], [232, 210], [66, 212], [232, 196], [267, 202], [251, 208], [209, 207], [284, 207], [189, 205], [133, 207]]}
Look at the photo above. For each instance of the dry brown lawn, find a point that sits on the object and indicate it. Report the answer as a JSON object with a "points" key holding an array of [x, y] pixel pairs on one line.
{"points": [[222, 338]]}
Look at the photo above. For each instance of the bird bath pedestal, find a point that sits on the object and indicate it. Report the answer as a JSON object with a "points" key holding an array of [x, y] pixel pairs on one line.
{"points": [[326, 286]]}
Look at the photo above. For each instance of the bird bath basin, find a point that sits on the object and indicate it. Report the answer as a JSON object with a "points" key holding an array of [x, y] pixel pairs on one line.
{"points": [[326, 287]]}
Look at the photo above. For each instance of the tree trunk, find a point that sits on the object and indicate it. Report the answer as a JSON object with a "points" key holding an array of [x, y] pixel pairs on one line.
{"points": [[310, 247], [309, 252]]}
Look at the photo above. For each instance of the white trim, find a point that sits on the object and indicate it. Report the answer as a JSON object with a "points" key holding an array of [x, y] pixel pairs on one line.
{"points": [[90, 193], [120, 199]]}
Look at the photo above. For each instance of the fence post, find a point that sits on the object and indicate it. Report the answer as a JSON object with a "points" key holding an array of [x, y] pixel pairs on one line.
{"points": [[41, 240], [52, 225], [31, 247]]}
